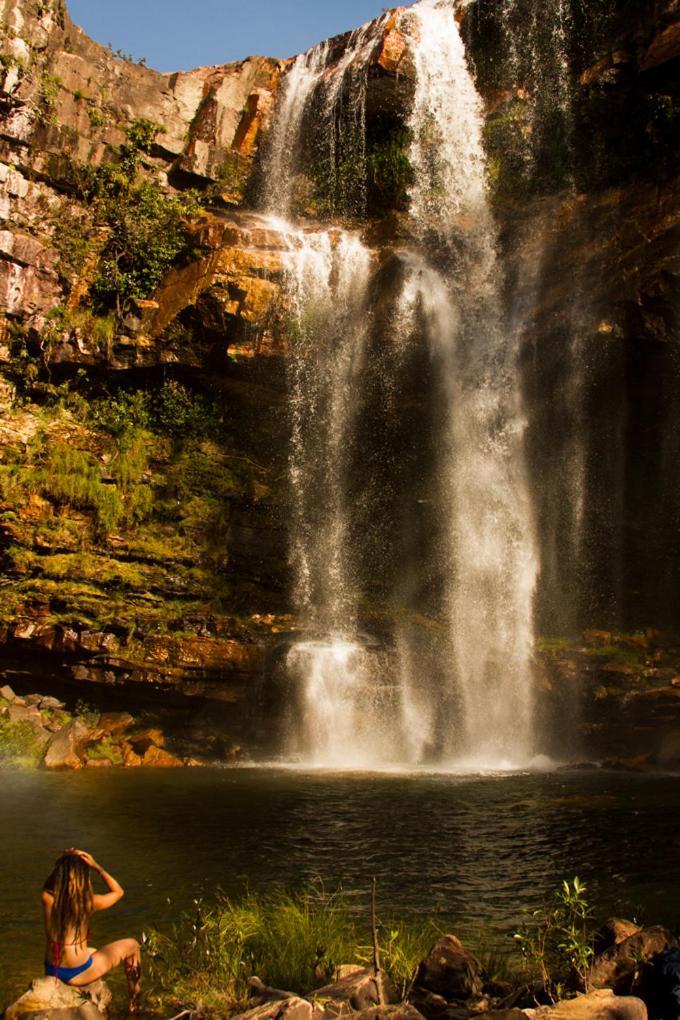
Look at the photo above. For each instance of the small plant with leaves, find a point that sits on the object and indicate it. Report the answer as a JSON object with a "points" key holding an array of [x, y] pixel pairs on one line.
{"points": [[556, 941]]}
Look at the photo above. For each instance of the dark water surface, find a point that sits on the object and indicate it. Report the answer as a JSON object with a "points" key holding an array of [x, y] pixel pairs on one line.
{"points": [[475, 849]]}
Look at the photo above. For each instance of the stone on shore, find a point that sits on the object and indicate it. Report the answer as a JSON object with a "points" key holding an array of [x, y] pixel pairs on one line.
{"points": [[291, 1008], [619, 965], [54, 1000], [65, 748], [451, 971], [598, 1005], [357, 991], [402, 1011]]}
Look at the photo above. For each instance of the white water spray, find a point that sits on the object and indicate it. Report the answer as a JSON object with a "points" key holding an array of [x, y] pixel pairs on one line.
{"points": [[350, 712], [484, 499]]}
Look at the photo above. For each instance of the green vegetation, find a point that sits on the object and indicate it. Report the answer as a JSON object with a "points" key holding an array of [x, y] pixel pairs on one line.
{"points": [[105, 750], [18, 743], [556, 942], [127, 57], [48, 93], [390, 174], [142, 134], [136, 230], [173, 410], [290, 940]]}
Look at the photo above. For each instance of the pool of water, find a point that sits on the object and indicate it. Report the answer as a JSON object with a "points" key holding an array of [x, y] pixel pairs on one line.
{"points": [[474, 849]]}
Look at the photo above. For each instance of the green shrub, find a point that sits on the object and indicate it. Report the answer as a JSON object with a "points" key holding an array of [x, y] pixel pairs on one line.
{"points": [[173, 410], [142, 133], [18, 743], [556, 941], [126, 410], [105, 750]]}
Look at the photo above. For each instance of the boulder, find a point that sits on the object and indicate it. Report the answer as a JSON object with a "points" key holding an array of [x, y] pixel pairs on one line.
{"points": [[618, 967], [65, 748], [158, 758], [142, 740], [115, 722], [260, 993], [357, 991], [402, 1011], [7, 693], [53, 703], [291, 1008], [451, 971], [54, 1000], [598, 1005], [613, 932], [435, 1007]]}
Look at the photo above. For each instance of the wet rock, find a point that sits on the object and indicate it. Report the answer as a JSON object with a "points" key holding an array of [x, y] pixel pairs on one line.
{"points": [[618, 967], [636, 763], [357, 991], [115, 722], [613, 932], [598, 1005], [597, 638], [130, 758], [143, 740], [664, 47], [668, 753], [451, 971], [53, 1000], [159, 758], [65, 750]]}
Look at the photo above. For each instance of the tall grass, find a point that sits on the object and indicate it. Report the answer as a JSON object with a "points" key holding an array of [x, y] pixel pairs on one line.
{"points": [[292, 941]]}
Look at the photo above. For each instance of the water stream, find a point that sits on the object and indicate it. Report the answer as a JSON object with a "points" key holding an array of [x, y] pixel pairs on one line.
{"points": [[356, 705]]}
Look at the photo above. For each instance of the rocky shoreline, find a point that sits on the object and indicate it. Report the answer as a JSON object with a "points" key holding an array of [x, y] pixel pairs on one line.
{"points": [[39, 730], [632, 977]]}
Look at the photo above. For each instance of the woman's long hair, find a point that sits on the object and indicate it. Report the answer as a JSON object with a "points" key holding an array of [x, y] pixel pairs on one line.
{"points": [[71, 886]]}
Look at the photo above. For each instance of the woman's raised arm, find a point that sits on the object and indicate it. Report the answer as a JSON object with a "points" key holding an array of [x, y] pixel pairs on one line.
{"points": [[102, 901]]}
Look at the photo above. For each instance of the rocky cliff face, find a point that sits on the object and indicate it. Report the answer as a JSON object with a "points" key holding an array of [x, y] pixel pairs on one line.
{"points": [[143, 491], [176, 575]]}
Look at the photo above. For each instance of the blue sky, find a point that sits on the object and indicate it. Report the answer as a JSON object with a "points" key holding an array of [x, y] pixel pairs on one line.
{"points": [[180, 34]]}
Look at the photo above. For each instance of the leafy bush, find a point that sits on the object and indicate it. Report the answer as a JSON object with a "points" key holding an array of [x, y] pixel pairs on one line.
{"points": [[557, 941], [142, 134], [139, 228], [173, 410], [125, 410], [146, 235]]}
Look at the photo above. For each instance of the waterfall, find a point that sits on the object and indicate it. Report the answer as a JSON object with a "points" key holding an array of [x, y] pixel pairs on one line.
{"points": [[358, 704], [331, 93]]}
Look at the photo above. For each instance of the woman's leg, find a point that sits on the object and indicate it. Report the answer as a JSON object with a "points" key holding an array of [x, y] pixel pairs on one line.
{"points": [[125, 951]]}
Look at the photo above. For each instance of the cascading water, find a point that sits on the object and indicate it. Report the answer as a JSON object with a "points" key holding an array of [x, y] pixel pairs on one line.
{"points": [[340, 704], [484, 499], [355, 706]]}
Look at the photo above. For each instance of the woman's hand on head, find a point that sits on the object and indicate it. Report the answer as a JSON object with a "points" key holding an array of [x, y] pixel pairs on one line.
{"points": [[84, 856]]}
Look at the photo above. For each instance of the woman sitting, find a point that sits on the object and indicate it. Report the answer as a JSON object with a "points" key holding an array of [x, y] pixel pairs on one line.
{"points": [[68, 901]]}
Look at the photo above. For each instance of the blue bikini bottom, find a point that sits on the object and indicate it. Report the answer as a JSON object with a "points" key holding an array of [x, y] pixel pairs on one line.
{"points": [[66, 973]]}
